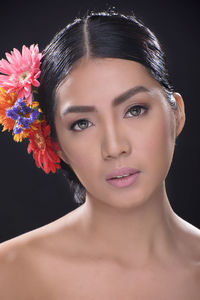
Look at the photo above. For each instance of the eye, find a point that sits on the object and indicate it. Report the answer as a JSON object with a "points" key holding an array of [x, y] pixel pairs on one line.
{"points": [[137, 110], [80, 125]]}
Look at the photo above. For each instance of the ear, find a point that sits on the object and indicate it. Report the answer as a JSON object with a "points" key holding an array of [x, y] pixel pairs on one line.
{"points": [[179, 113], [62, 156]]}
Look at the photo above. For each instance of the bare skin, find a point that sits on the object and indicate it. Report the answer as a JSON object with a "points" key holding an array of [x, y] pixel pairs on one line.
{"points": [[60, 261], [122, 243]]}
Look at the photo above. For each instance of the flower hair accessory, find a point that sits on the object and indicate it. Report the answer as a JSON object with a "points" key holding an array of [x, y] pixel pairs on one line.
{"points": [[18, 110]]}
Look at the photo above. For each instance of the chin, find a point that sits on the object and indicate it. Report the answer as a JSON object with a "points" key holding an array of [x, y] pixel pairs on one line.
{"points": [[123, 200]]}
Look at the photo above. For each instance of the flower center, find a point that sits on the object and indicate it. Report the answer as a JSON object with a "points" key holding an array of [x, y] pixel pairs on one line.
{"points": [[39, 140], [23, 76]]}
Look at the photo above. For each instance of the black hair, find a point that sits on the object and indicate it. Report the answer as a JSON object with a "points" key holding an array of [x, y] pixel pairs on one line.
{"points": [[106, 34]]}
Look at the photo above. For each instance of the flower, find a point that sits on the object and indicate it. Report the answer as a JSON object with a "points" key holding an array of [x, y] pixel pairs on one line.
{"points": [[44, 149], [21, 71], [23, 114], [6, 101], [18, 112], [18, 137]]}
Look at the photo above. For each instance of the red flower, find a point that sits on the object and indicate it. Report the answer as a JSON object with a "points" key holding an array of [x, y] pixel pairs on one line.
{"points": [[44, 149]]}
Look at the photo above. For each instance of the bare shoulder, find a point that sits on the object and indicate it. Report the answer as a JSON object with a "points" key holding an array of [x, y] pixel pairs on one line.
{"points": [[191, 237], [188, 240], [15, 263], [24, 260], [193, 246]]}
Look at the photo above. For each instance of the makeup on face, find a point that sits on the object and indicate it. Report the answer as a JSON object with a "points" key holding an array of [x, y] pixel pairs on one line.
{"points": [[115, 136], [69, 112], [123, 177]]}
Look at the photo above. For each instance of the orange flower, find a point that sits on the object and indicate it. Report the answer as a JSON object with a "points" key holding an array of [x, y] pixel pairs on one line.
{"points": [[44, 149], [20, 136], [19, 79], [6, 101]]}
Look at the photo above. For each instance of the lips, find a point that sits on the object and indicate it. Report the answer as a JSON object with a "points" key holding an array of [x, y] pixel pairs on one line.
{"points": [[121, 172]]}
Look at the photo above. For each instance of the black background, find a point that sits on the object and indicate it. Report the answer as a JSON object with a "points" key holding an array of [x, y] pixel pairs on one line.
{"points": [[29, 197]]}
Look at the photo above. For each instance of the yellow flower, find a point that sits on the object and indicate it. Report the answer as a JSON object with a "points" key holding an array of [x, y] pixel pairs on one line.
{"points": [[19, 137], [7, 100]]}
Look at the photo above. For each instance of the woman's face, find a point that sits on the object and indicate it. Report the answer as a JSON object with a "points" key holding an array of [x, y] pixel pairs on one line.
{"points": [[136, 131]]}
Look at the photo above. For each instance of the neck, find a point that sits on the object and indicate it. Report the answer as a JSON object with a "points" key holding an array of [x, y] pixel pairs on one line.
{"points": [[143, 230]]}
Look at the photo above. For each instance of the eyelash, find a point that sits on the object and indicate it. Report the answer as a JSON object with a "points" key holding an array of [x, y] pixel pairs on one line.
{"points": [[134, 106]]}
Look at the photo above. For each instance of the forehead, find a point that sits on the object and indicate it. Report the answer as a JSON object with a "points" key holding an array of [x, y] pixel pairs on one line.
{"points": [[95, 79]]}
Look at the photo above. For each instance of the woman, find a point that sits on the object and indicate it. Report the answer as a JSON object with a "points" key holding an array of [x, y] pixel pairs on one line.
{"points": [[105, 93]]}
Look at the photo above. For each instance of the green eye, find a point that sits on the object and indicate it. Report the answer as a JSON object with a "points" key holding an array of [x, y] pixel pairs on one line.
{"points": [[137, 110], [83, 124], [80, 125], [133, 111]]}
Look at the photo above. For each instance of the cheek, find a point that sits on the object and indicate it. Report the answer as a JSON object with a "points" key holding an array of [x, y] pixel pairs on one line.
{"points": [[158, 145], [79, 154], [74, 148], [84, 164]]}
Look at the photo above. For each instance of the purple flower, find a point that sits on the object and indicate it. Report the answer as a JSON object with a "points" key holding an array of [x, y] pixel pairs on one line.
{"points": [[24, 122], [23, 115], [11, 114], [34, 115], [17, 129]]}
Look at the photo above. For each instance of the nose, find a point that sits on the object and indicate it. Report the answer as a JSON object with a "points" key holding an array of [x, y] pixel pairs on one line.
{"points": [[115, 143]]}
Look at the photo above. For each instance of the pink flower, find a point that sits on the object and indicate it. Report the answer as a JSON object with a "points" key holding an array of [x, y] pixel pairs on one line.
{"points": [[21, 71]]}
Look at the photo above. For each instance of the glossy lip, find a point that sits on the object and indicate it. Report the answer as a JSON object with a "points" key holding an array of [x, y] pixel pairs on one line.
{"points": [[121, 172], [125, 181]]}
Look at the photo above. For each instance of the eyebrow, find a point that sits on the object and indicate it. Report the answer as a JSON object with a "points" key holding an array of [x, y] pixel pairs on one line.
{"points": [[115, 102]]}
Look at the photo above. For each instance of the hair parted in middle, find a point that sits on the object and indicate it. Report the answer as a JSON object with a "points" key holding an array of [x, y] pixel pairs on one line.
{"points": [[107, 34]]}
